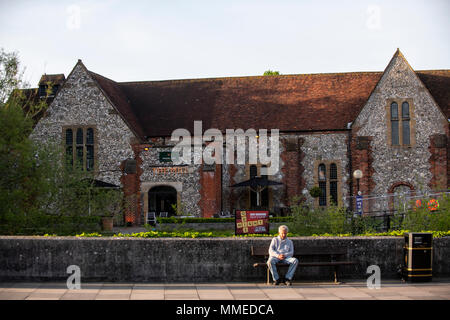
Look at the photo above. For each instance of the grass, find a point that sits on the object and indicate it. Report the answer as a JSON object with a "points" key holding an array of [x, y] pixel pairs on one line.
{"points": [[230, 234]]}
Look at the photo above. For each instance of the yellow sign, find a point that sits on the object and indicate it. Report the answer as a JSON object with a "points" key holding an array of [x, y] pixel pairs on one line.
{"points": [[167, 170]]}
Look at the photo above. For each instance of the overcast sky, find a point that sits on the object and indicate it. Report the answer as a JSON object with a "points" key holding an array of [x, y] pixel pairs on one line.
{"points": [[159, 40]]}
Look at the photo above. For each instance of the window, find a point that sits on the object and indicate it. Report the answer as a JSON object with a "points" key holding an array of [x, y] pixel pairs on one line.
{"points": [[80, 147], [405, 123], [333, 183], [323, 185], [400, 123], [42, 91], [394, 124], [327, 178]]}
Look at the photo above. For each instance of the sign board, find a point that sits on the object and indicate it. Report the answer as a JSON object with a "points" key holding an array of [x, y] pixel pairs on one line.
{"points": [[250, 221], [165, 156], [359, 204]]}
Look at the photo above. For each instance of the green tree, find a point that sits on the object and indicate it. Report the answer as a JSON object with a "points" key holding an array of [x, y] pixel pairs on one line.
{"points": [[37, 189], [10, 74], [271, 73]]}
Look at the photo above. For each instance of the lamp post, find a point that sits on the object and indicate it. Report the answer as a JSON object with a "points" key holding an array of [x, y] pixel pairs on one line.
{"points": [[357, 174]]}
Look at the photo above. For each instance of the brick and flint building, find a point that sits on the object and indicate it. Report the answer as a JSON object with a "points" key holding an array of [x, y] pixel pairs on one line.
{"points": [[391, 125]]}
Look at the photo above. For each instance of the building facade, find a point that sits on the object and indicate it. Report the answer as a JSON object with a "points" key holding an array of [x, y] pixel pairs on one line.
{"points": [[391, 125]]}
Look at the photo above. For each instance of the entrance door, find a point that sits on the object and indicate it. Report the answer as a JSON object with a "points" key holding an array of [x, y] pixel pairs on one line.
{"points": [[161, 199]]}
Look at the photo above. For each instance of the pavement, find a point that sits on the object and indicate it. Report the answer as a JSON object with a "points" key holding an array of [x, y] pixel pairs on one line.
{"points": [[437, 289]]}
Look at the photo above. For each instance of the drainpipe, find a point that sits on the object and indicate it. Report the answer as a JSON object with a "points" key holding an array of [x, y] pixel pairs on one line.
{"points": [[350, 167]]}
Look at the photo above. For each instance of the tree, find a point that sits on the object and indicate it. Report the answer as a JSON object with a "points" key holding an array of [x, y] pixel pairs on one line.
{"points": [[36, 187], [271, 73], [10, 74]]}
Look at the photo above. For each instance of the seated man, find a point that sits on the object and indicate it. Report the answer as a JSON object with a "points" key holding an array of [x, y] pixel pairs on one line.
{"points": [[282, 250]]}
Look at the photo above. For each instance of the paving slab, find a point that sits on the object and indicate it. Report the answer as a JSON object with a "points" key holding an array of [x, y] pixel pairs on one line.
{"points": [[356, 290]]}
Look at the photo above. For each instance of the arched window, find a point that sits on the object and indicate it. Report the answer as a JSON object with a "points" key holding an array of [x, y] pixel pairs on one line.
{"points": [[89, 149], [323, 184], [405, 124], [334, 183], [394, 124], [80, 148]]}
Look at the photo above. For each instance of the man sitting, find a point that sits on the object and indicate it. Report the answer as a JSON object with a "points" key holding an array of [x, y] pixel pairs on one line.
{"points": [[282, 250]]}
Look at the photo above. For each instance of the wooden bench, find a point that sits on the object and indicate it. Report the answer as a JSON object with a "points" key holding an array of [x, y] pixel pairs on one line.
{"points": [[307, 257]]}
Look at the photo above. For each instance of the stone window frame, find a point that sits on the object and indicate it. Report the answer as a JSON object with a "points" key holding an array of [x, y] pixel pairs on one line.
{"points": [[74, 144], [247, 176], [327, 164], [412, 123]]}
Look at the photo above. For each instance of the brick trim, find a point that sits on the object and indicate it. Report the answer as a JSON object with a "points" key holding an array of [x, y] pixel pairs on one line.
{"points": [[438, 160]]}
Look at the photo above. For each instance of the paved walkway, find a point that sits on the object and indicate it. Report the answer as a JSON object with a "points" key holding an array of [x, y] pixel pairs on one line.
{"points": [[355, 290]]}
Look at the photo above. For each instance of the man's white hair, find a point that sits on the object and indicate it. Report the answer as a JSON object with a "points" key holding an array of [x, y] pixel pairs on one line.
{"points": [[283, 227]]}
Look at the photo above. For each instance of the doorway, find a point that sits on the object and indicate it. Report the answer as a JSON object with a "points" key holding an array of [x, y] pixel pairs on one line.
{"points": [[162, 199]]}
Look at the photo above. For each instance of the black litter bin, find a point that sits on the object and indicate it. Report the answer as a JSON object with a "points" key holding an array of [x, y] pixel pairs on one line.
{"points": [[418, 257]]}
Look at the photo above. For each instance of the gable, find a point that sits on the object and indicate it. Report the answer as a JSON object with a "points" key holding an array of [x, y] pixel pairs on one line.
{"points": [[400, 81], [81, 103]]}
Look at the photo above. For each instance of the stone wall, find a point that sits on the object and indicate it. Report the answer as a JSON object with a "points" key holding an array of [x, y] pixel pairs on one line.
{"points": [[191, 260], [326, 148]]}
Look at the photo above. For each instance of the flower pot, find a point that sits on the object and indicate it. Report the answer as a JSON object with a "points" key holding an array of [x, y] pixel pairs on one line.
{"points": [[107, 223]]}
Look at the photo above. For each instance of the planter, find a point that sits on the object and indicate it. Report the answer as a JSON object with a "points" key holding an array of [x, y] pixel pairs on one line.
{"points": [[107, 223]]}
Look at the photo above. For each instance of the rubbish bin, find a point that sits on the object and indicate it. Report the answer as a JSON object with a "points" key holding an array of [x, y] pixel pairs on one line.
{"points": [[418, 257]]}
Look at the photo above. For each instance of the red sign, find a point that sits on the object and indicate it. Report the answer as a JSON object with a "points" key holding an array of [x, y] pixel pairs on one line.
{"points": [[249, 221]]}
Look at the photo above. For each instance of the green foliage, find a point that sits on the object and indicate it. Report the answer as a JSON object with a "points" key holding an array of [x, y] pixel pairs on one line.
{"points": [[393, 233], [174, 219], [10, 74], [41, 224], [193, 220], [307, 221], [335, 221], [271, 73], [423, 219], [20, 169], [38, 193]]}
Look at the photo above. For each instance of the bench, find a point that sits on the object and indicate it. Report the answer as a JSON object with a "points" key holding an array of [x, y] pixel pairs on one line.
{"points": [[307, 257]]}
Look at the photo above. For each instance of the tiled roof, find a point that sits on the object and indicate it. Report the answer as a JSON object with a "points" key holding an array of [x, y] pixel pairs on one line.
{"points": [[438, 83], [307, 102], [57, 79], [120, 101], [310, 102]]}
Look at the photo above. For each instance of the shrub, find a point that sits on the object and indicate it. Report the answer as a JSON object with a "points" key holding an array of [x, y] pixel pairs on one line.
{"points": [[422, 218], [307, 221]]}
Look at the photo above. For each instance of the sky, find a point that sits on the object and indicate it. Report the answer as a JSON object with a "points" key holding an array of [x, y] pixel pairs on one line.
{"points": [[161, 40]]}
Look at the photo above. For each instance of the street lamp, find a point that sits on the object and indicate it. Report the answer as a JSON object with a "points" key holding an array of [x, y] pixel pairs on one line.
{"points": [[357, 174]]}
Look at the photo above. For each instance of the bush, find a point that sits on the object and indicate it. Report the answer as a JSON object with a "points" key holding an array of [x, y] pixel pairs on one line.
{"points": [[214, 220], [40, 224], [422, 218], [308, 221]]}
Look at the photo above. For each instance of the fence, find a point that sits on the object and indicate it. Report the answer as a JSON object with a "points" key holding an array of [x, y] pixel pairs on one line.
{"points": [[395, 208]]}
